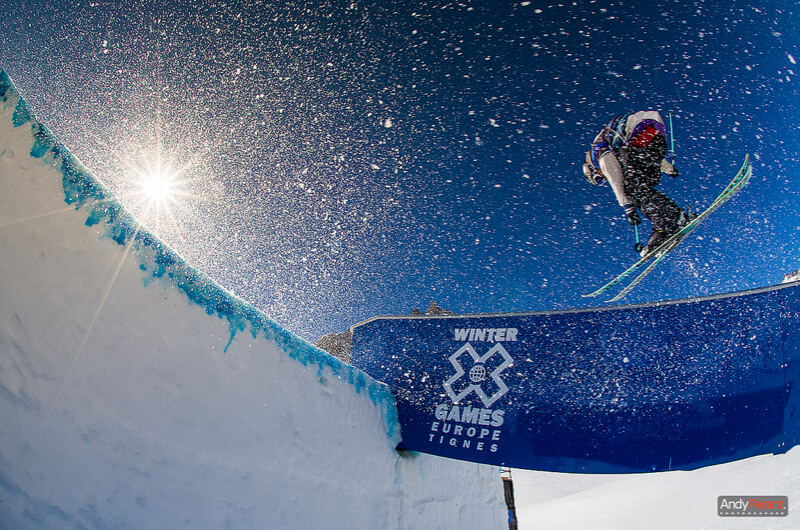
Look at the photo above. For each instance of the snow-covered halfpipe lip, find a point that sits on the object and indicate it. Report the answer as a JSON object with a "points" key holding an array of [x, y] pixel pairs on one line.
{"points": [[83, 191]]}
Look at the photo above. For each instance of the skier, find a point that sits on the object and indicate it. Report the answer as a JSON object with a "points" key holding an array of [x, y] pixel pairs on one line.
{"points": [[629, 153]]}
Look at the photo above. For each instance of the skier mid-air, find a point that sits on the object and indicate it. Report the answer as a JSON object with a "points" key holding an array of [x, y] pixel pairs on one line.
{"points": [[630, 154]]}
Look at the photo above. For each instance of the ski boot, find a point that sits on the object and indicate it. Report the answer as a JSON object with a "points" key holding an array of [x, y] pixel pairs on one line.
{"points": [[687, 216], [657, 238]]}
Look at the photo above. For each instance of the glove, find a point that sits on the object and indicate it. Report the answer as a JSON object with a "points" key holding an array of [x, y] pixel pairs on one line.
{"points": [[633, 215], [668, 168]]}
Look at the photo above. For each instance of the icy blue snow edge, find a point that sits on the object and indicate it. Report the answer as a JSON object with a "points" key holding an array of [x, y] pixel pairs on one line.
{"points": [[159, 262]]}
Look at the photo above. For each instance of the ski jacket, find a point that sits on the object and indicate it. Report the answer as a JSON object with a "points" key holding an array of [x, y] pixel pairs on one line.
{"points": [[609, 148]]}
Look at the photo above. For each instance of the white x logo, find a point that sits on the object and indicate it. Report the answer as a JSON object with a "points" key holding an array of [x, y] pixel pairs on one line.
{"points": [[477, 374]]}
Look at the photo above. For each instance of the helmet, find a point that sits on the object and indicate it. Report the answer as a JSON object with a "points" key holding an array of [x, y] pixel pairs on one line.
{"points": [[591, 172]]}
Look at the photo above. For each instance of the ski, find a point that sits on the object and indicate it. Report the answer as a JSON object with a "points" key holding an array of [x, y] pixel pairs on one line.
{"points": [[663, 254], [683, 234], [738, 182]]}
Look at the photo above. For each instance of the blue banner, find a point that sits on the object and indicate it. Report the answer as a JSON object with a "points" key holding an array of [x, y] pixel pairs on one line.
{"points": [[655, 387]]}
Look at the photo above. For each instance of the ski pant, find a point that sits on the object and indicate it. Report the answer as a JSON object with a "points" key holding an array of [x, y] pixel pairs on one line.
{"points": [[642, 175]]}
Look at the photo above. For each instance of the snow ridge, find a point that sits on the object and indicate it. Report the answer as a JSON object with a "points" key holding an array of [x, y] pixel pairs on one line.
{"points": [[159, 262]]}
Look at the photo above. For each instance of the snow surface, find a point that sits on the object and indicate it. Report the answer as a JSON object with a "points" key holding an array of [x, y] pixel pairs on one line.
{"points": [[676, 499], [137, 393]]}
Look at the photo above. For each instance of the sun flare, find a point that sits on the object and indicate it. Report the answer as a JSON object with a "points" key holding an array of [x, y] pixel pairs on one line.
{"points": [[164, 183], [159, 186], [158, 192]]}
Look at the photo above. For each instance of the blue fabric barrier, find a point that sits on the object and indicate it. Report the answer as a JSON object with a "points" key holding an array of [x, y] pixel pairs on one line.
{"points": [[655, 387]]}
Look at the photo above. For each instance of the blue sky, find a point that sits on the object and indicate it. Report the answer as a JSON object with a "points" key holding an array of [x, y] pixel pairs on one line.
{"points": [[348, 159]]}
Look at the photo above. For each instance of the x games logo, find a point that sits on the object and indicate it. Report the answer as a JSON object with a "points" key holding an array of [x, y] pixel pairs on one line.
{"points": [[478, 373]]}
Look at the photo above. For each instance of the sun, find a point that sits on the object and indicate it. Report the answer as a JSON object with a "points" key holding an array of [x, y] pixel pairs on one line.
{"points": [[158, 192], [159, 186], [164, 183]]}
